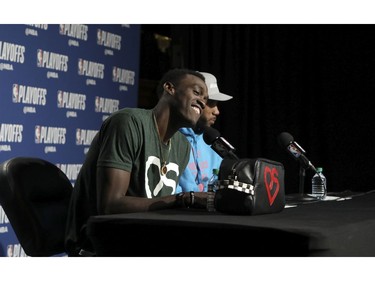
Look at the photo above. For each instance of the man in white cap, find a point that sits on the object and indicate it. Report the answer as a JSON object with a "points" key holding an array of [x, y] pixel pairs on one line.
{"points": [[203, 159]]}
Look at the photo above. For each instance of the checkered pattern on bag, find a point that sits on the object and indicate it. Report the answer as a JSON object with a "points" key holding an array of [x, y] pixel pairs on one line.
{"points": [[240, 186]]}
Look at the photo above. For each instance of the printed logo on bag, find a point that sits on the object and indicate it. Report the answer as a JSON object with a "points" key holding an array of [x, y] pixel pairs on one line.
{"points": [[271, 182]]}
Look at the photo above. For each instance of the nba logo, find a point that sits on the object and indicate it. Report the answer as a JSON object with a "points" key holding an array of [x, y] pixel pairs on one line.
{"points": [[37, 134], [39, 62]]}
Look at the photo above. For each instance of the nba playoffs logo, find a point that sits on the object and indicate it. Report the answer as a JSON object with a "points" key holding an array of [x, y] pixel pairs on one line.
{"points": [[108, 39], [50, 135], [90, 68], [105, 105], [12, 52], [11, 132], [122, 75], [84, 136]]}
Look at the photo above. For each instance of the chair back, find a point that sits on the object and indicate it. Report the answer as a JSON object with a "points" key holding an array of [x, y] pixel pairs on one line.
{"points": [[35, 195]]}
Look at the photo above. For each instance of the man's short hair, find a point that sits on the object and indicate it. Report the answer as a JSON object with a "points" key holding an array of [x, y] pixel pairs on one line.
{"points": [[174, 76]]}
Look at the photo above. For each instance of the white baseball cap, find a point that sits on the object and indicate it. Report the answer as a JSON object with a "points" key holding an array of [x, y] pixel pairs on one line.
{"points": [[213, 89]]}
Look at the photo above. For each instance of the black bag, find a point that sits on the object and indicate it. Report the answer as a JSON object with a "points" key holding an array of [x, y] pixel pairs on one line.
{"points": [[250, 187]]}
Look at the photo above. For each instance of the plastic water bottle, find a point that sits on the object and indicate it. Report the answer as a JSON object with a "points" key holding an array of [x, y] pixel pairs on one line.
{"points": [[319, 184], [211, 189]]}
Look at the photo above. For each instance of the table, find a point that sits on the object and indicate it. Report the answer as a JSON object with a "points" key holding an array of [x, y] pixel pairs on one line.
{"points": [[344, 228]]}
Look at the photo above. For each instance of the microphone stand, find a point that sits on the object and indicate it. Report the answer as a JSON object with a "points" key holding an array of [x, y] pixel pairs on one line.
{"points": [[301, 197], [302, 173]]}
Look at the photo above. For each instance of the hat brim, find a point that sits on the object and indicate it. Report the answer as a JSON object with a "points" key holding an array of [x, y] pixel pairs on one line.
{"points": [[219, 97]]}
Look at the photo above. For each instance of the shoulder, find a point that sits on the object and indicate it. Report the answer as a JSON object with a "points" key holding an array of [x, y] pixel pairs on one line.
{"points": [[134, 114], [127, 120]]}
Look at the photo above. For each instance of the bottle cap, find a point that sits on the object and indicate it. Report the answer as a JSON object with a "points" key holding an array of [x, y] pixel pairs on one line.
{"points": [[215, 171], [319, 169]]}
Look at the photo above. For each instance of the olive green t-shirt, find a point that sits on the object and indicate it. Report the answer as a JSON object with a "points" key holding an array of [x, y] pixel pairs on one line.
{"points": [[128, 140]]}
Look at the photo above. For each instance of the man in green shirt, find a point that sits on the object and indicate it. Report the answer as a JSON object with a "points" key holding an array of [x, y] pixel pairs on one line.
{"points": [[135, 161]]}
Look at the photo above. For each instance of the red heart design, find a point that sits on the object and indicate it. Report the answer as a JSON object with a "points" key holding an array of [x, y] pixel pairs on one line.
{"points": [[273, 180]]}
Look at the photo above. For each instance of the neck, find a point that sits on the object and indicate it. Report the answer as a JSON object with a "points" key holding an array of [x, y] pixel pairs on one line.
{"points": [[164, 127]]}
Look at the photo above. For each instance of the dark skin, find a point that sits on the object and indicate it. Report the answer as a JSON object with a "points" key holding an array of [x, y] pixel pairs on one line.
{"points": [[180, 106], [208, 117]]}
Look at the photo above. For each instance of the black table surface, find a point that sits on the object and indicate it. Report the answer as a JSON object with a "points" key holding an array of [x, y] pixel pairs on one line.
{"points": [[344, 228]]}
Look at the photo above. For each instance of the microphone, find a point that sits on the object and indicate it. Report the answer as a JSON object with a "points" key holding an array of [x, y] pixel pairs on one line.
{"points": [[287, 141], [220, 145]]}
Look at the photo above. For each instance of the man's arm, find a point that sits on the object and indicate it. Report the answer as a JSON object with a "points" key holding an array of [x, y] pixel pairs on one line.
{"points": [[113, 185]]}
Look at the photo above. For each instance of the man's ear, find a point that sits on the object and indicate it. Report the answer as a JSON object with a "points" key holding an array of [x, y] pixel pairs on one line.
{"points": [[169, 88]]}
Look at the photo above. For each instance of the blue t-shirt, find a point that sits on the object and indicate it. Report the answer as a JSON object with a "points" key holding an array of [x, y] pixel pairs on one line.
{"points": [[203, 159]]}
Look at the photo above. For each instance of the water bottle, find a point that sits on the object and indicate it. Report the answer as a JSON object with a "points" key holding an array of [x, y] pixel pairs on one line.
{"points": [[211, 189], [319, 184]]}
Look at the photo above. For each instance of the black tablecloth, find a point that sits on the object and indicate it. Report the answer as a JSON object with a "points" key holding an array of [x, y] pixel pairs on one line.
{"points": [[329, 228]]}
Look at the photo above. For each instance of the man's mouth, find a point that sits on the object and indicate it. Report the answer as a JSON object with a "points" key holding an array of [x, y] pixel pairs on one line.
{"points": [[197, 109]]}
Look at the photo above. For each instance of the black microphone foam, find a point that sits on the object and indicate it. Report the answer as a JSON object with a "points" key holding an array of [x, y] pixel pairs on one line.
{"points": [[210, 135], [220, 145], [285, 139], [287, 142]]}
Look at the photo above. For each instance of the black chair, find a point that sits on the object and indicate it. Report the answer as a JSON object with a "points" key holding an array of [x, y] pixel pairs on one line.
{"points": [[35, 195]]}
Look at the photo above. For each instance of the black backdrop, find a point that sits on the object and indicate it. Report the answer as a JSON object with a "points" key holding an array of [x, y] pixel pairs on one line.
{"points": [[316, 82]]}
